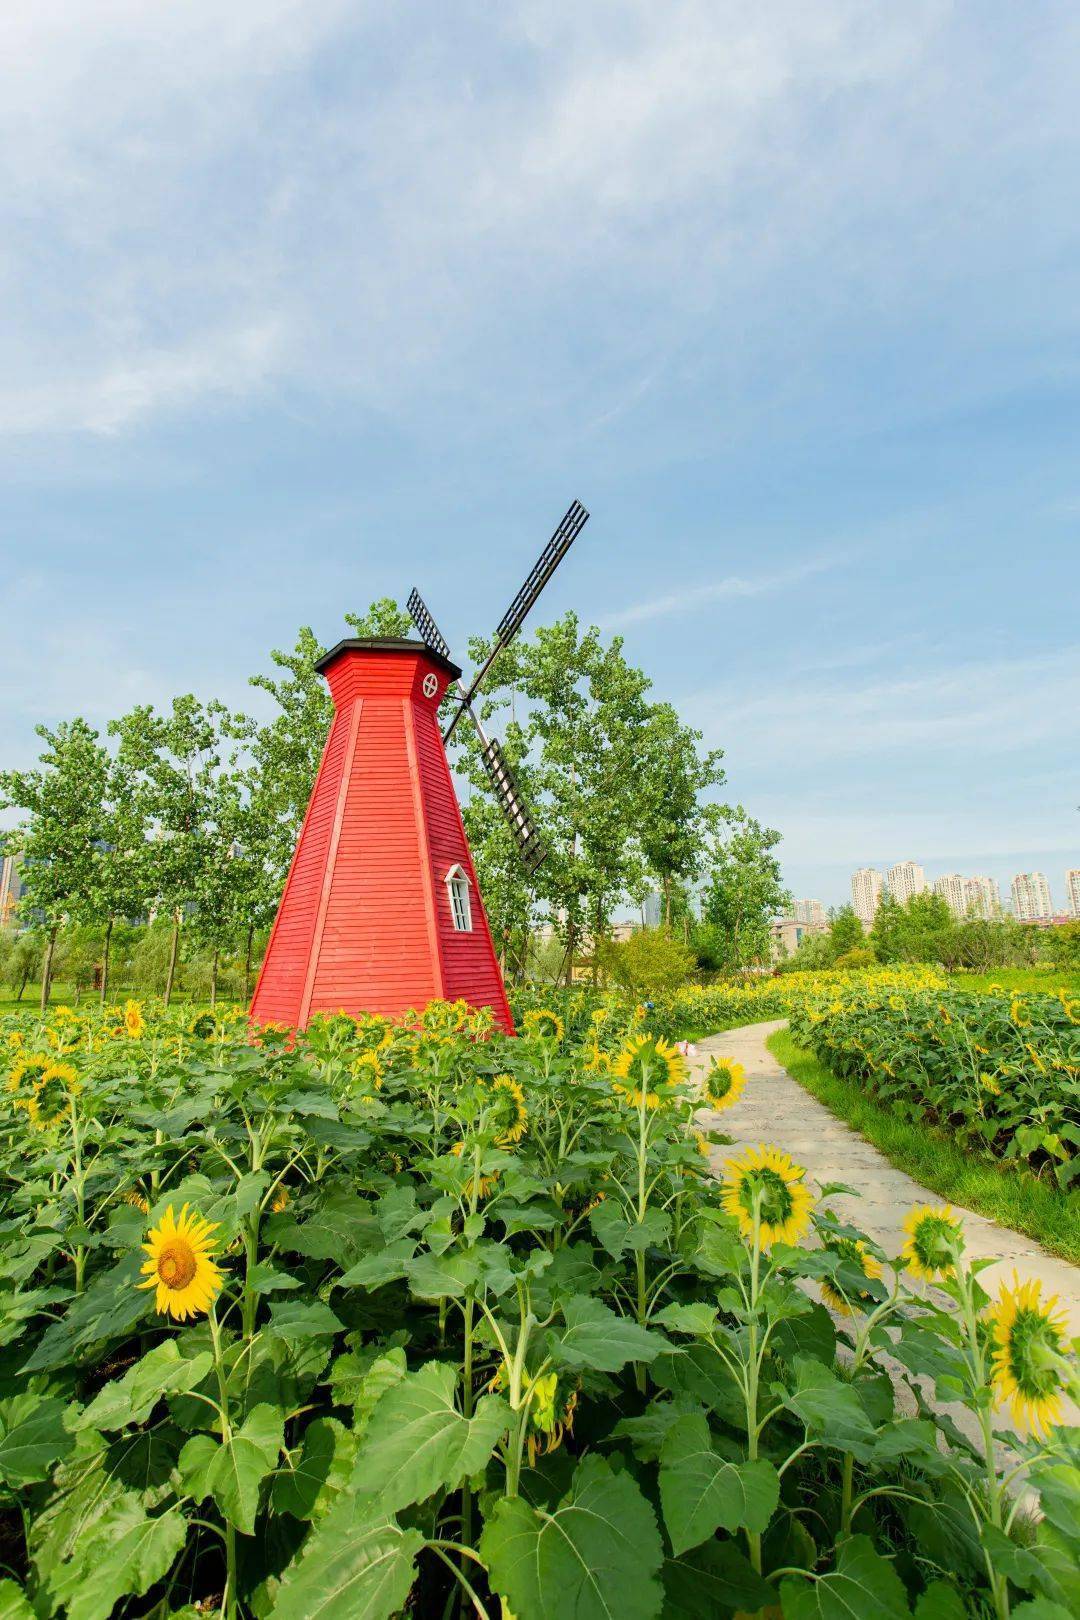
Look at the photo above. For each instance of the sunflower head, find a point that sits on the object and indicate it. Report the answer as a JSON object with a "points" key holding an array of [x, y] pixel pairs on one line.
{"points": [[513, 1115], [935, 1240], [50, 1102], [544, 1025], [134, 1022], [367, 1067], [180, 1265], [841, 1298], [989, 1084], [136, 1200], [1019, 1013], [724, 1083], [25, 1074], [646, 1070], [280, 1200], [768, 1182], [1028, 1343], [202, 1026]]}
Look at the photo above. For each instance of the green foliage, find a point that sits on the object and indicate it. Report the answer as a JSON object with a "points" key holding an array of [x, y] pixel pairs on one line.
{"points": [[484, 1327], [745, 891], [650, 960]]}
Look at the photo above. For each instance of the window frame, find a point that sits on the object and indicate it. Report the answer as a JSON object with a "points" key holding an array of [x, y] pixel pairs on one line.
{"points": [[459, 894]]}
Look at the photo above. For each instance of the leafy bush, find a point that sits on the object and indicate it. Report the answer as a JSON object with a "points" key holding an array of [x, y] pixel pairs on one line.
{"points": [[379, 1318], [651, 960]]}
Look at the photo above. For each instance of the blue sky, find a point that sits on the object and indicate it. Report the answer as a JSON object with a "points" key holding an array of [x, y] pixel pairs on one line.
{"points": [[306, 301]]}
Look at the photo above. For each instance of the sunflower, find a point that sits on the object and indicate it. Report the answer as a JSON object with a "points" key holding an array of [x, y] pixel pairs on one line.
{"points": [[280, 1200], [180, 1266], [702, 1143], [599, 1016], [1028, 1343], [855, 1251], [50, 1101], [485, 1186], [935, 1238], [989, 1084], [134, 1022], [724, 1083], [367, 1066], [519, 1113], [25, 1074], [637, 1065], [769, 1178], [135, 1198], [1070, 1006], [550, 1422], [1019, 1014], [202, 1026], [544, 1024]]}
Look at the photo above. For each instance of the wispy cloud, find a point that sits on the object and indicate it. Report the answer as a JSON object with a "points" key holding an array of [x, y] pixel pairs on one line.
{"points": [[696, 597]]}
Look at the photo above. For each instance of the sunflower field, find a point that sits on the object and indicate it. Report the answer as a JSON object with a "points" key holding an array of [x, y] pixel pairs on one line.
{"points": [[421, 1320], [1000, 1070]]}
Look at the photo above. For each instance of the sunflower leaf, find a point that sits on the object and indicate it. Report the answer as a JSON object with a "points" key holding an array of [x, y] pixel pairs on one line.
{"points": [[131, 1399], [314, 1479], [862, 1583], [231, 1471], [33, 1437], [350, 1566], [711, 1580], [825, 1404], [596, 1336], [13, 1602], [701, 1492], [124, 1555], [418, 1442], [596, 1555]]}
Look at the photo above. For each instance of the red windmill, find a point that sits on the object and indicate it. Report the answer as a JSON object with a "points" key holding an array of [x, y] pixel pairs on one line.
{"points": [[381, 909]]}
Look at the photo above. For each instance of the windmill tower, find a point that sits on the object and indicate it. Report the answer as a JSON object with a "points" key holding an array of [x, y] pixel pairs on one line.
{"points": [[381, 910]]}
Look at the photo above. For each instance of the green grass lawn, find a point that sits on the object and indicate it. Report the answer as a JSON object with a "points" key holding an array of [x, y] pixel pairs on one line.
{"points": [[1039, 1209]]}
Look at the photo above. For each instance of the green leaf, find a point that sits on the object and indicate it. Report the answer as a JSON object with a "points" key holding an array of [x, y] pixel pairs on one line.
{"points": [[13, 1602], [711, 1580], [701, 1492], [595, 1556], [33, 1437], [863, 1583], [940, 1601], [1039, 1608], [232, 1471], [126, 1554], [446, 1276], [596, 1336], [131, 1399], [295, 1319], [309, 1486], [701, 1373], [350, 1568], [697, 1318], [1058, 1485], [386, 1265], [418, 1442], [826, 1405], [266, 1279]]}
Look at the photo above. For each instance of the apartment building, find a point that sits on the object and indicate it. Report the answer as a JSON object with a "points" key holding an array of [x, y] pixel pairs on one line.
{"points": [[867, 885], [906, 878], [1072, 891], [811, 914], [1031, 897], [951, 887]]}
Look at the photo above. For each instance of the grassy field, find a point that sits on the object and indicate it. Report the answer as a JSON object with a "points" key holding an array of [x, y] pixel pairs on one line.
{"points": [[1037, 1208]]}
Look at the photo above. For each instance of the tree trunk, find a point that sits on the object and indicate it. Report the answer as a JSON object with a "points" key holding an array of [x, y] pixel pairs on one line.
{"points": [[247, 961], [105, 961], [213, 977], [174, 949], [667, 899], [570, 941], [24, 981], [46, 971]]}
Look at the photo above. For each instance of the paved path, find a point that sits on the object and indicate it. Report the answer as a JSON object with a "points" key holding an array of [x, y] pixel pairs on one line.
{"points": [[774, 1108]]}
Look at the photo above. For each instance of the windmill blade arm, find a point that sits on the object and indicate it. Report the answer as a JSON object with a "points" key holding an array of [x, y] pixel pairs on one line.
{"points": [[515, 808], [552, 555], [430, 633]]}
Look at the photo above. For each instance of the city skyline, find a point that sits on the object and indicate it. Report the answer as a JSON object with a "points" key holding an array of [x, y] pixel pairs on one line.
{"points": [[1030, 896]]}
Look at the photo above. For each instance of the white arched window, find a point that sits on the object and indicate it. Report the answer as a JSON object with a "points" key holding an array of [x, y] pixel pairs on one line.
{"points": [[457, 884]]}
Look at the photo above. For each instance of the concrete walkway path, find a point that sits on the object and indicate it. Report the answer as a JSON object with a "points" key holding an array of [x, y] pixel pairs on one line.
{"points": [[775, 1109]]}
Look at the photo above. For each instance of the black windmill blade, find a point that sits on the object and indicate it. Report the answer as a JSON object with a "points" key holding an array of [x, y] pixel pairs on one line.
{"points": [[526, 838], [525, 600]]}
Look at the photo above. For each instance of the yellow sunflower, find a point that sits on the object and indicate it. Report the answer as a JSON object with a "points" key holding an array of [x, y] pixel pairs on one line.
{"points": [[134, 1022], [50, 1101], [769, 1178], [280, 1200], [180, 1266], [989, 1084], [1028, 1340], [519, 1113], [544, 1024], [1019, 1014], [934, 1239], [855, 1250], [367, 1067], [135, 1198], [485, 1186], [724, 1084], [644, 1061], [25, 1074]]}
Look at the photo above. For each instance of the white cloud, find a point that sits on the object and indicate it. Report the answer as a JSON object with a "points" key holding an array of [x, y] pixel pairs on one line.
{"points": [[696, 597], [202, 201]]}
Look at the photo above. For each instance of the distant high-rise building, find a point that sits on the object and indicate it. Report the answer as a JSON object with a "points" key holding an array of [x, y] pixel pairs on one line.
{"points": [[1072, 890], [866, 886], [982, 898], [652, 908], [906, 878], [950, 886], [811, 914], [1031, 897], [10, 889]]}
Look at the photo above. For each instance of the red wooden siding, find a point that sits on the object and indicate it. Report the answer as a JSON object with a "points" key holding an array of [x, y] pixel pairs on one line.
{"points": [[364, 922]]}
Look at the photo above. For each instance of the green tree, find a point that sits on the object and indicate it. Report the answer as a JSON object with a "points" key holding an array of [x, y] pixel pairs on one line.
{"points": [[674, 823], [61, 836], [846, 932], [745, 890], [121, 875], [650, 959]]}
